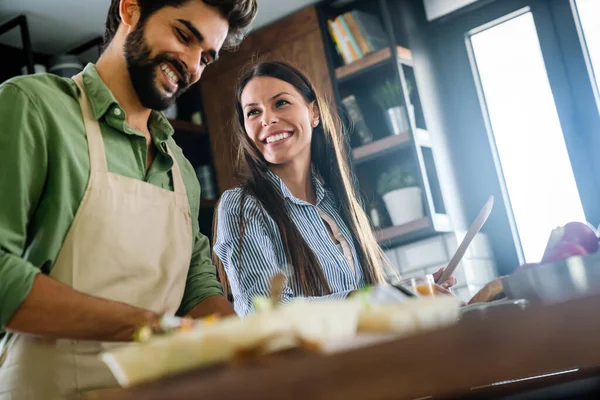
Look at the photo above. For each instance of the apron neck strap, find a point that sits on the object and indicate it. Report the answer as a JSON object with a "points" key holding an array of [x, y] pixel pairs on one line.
{"points": [[92, 130], [178, 185]]}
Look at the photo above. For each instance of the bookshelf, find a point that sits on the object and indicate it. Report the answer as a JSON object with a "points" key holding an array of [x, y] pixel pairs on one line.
{"points": [[195, 144], [421, 228], [389, 144], [375, 89], [208, 203], [371, 60]]}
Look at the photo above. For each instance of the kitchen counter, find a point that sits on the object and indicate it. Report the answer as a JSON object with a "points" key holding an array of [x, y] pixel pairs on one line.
{"points": [[494, 356]]}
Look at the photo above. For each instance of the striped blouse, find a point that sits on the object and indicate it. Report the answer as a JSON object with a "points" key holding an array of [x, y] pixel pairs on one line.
{"points": [[263, 253]]}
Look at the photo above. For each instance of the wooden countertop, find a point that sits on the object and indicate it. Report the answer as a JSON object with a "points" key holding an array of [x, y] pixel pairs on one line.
{"points": [[460, 360]]}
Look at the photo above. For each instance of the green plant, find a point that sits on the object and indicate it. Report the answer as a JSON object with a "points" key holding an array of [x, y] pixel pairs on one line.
{"points": [[395, 178], [389, 94], [409, 87]]}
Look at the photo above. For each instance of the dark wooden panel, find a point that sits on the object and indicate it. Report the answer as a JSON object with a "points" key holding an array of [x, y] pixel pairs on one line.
{"points": [[286, 30], [218, 100]]}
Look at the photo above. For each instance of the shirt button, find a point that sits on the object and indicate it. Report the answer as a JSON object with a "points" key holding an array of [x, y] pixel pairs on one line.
{"points": [[117, 111]]}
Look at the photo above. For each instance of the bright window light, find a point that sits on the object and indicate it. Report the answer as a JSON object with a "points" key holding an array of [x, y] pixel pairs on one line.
{"points": [[526, 130], [589, 14]]}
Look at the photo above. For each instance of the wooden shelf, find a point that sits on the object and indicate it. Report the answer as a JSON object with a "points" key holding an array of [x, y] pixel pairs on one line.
{"points": [[379, 147], [415, 230], [383, 146], [208, 203], [371, 60], [185, 126]]}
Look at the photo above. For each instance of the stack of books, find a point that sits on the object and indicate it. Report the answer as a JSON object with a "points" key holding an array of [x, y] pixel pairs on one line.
{"points": [[356, 34]]}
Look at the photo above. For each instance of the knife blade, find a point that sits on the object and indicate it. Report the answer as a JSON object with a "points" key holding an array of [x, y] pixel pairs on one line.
{"points": [[475, 227]]}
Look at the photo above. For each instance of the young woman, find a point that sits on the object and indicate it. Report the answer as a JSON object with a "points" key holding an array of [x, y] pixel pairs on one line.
{"points": [[296, 210]]}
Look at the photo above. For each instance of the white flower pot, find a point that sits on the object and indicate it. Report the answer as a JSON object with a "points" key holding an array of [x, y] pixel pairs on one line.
{"points": [[404, 205], [396, 120]]}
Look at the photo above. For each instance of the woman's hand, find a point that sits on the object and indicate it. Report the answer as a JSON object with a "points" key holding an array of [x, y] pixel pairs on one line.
{"points": [[439, 290], [448, 283], [444, 288]]}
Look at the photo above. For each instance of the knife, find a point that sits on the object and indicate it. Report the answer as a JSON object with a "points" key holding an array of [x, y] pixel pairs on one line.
{"points": [[483, 215]]}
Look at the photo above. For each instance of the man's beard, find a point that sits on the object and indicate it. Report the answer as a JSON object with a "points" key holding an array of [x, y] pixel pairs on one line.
{"points": [[142, 72]]}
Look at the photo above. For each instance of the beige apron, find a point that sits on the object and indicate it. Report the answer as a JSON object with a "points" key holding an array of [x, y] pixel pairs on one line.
{"points": [[130, 242]]}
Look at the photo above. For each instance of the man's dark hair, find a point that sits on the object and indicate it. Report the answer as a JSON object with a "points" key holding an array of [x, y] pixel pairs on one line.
{"points": [[239, 14]]}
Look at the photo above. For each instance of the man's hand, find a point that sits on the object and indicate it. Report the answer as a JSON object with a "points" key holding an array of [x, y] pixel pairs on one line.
{"points": [[212, 305], [55, 310]]}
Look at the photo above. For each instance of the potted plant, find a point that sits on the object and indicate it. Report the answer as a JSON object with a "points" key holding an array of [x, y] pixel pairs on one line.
{"points": [[388, 97], [402, 196]]}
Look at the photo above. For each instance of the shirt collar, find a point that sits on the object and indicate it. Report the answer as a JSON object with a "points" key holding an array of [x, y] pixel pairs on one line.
{"points": [[102, 100], [287, 194]]}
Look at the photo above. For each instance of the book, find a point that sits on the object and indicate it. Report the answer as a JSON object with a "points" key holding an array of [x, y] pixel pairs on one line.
{"points": [[357, 34], [339, 41], [344, 40], [361, 130], [350, 36], [371, 29], [338, 46]]}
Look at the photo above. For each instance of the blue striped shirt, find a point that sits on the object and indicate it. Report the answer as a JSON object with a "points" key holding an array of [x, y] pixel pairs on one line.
{"points": [[263, 253]]}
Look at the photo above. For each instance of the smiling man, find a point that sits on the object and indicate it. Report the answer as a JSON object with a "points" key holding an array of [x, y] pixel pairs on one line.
{"points": [[99, 208]]}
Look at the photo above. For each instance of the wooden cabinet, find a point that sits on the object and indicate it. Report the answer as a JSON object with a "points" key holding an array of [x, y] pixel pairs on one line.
{"points": [[295, 39]]}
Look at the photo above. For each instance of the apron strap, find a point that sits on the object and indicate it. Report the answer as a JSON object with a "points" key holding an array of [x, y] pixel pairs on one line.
{"points": [[178, 185], [92, 131]]}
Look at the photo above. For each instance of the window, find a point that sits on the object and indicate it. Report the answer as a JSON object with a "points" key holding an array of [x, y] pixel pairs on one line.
{"points": [[523, 121], [588, 13]]}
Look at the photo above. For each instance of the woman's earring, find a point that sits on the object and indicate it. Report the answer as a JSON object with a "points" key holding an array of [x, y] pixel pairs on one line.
{"points": [[315, 123]]}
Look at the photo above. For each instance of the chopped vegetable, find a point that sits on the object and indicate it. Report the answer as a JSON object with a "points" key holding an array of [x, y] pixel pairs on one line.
{"points": [[262, 303]]}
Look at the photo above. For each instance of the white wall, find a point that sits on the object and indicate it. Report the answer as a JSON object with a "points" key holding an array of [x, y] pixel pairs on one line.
{"points": [[438, 8]]}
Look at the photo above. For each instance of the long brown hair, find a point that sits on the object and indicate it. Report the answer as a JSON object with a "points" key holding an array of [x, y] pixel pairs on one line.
{"points": [[329, 158]]}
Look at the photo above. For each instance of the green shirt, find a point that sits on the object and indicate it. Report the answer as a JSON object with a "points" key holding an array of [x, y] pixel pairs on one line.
{"points": [[44, 170]]}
